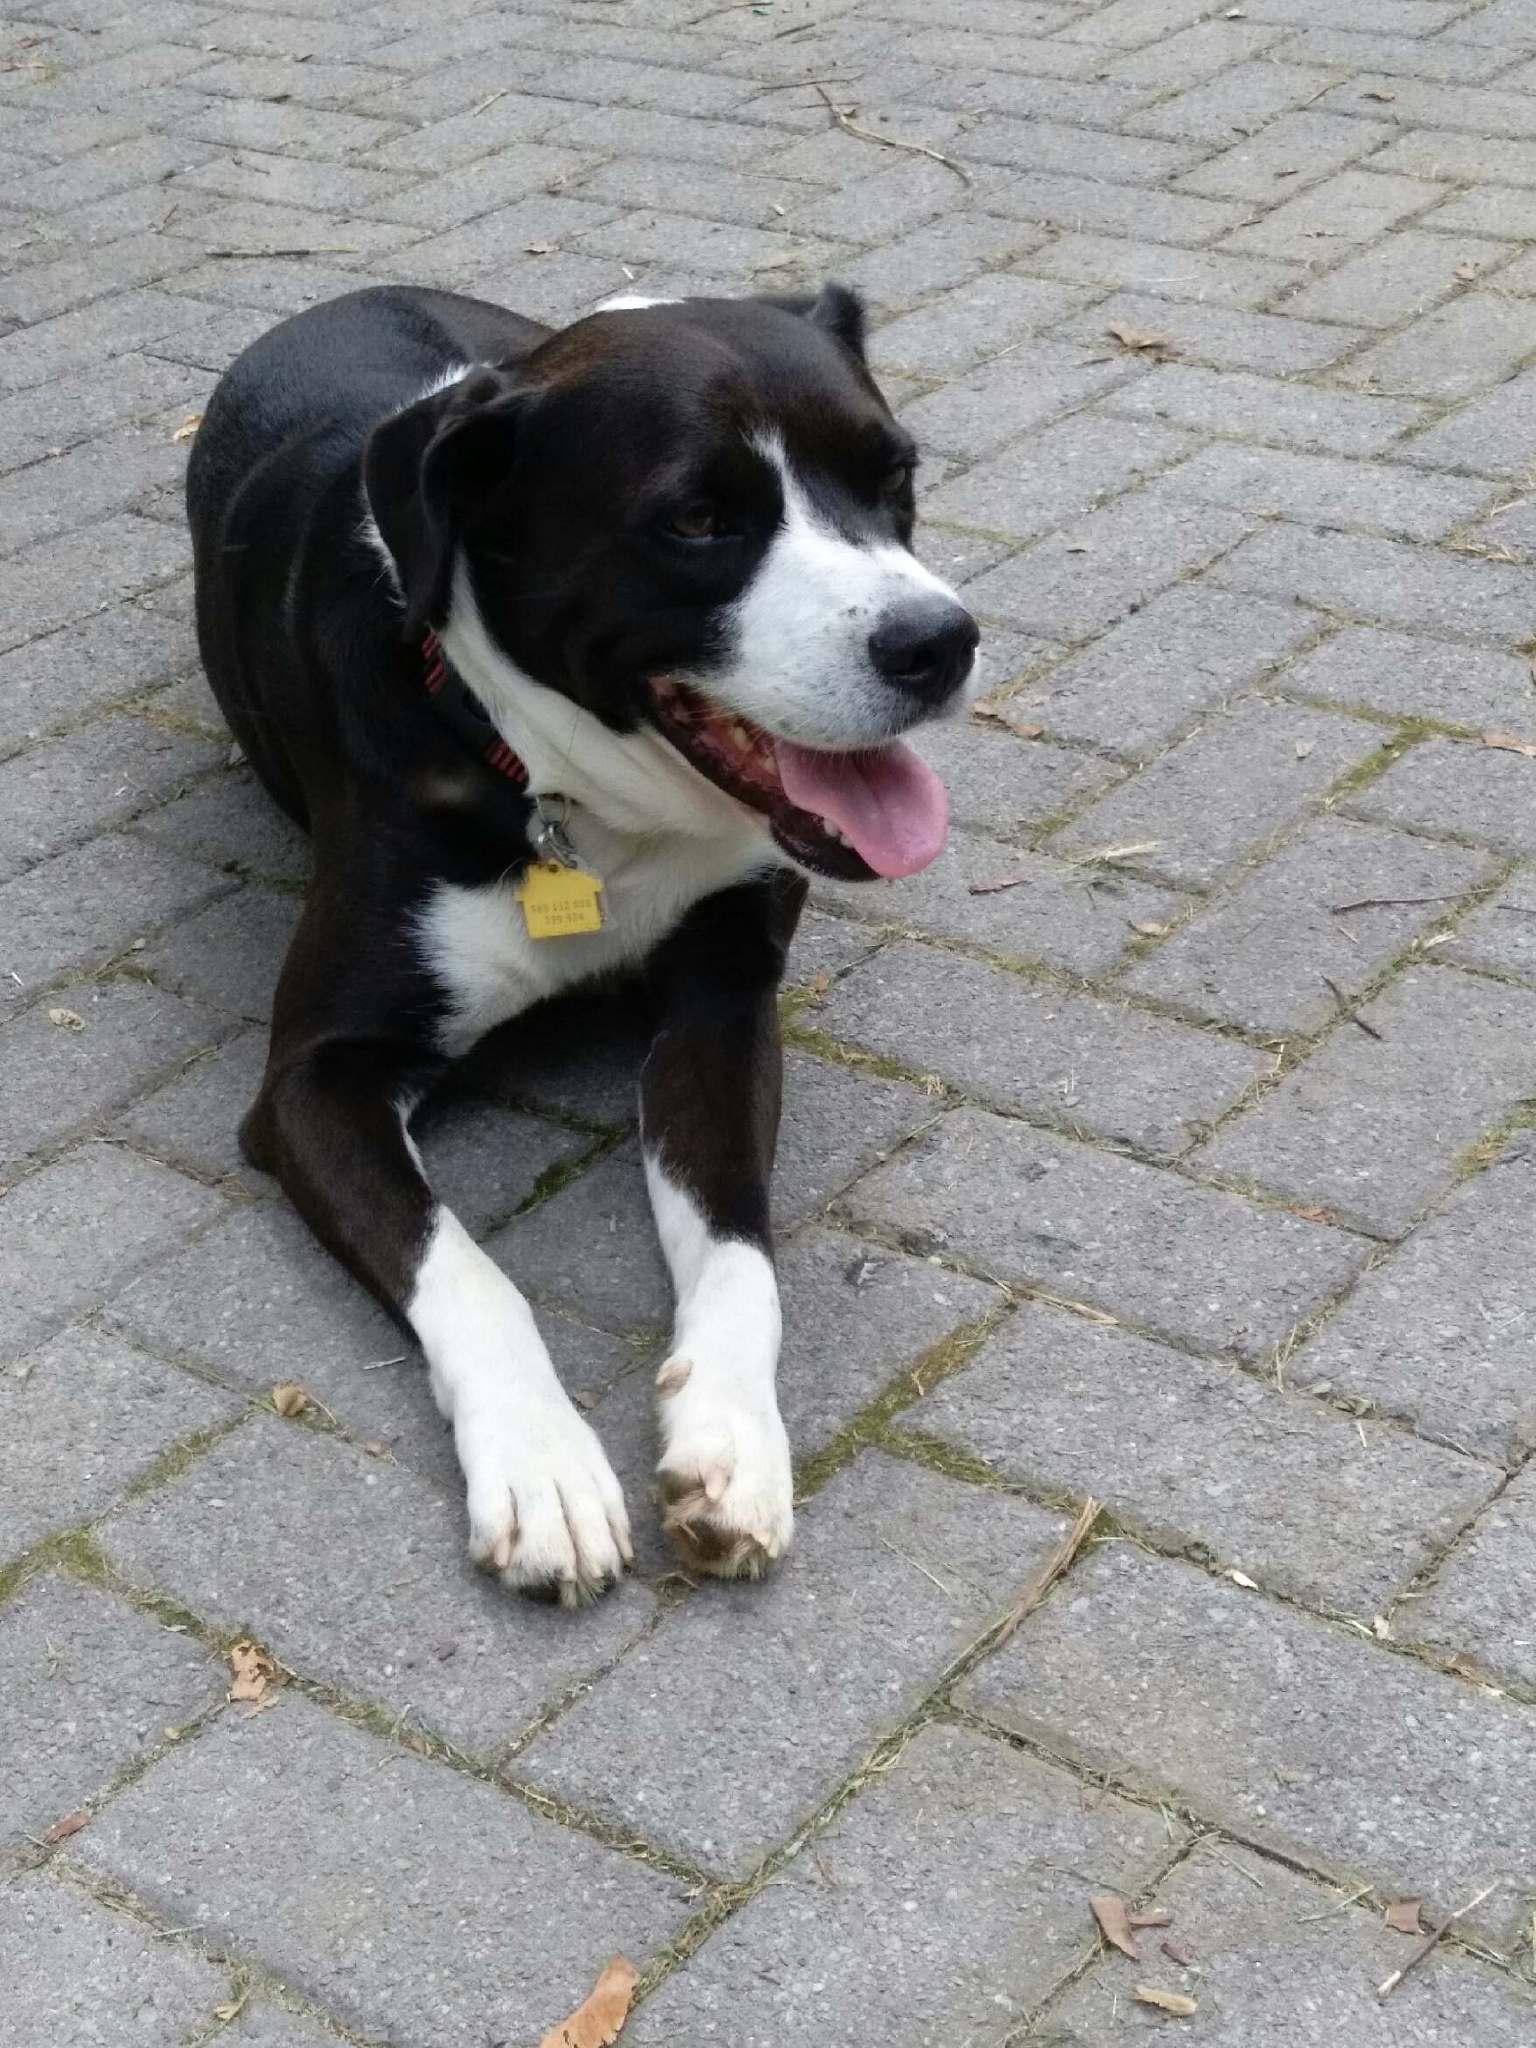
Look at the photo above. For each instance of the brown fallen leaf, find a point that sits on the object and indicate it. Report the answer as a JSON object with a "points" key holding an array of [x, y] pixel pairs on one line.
{"points": [[1114, 1918], [998, 714], [600, 2017], [289, 1398], [1511, 743], [61, 1830], [1154, 1916], [1404, 1916], [252, 1672], [1313, 1214], [1466, 272], [188, 427], [1177, 1951], [67, 1020], [1174, 2002], [1138, 341], [1149, 929]]}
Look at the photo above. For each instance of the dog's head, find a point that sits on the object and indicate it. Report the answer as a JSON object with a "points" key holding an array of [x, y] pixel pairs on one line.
{"points": [[694, 518]]}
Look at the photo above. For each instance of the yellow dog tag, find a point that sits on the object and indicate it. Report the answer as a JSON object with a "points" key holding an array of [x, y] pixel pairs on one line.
{"points": [[558, 902]]}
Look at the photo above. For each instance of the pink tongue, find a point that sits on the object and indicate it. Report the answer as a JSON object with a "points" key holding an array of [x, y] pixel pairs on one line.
{"points": [[887, 803]]}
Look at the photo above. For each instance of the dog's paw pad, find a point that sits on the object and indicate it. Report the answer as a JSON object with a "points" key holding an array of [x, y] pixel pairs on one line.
{"points": [[729, 1512]]}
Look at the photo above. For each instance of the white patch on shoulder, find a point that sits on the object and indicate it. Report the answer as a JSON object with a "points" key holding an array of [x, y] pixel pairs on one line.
{"points": [[631, 302], [544, 1507], [655, 832], [800, 657], [725, 1466]]}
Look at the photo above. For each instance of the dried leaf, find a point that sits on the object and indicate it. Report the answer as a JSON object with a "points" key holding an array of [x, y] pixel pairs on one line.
{"points": [[1466, 272], [999, 714], [375, 1449], [600, 2017], [1405, 1916], [1242, 1579], [1149, 929], [1178, 1951], [252, 1672], [1174, 2002], [540, 248], [188, 427], [1025, 732], [1312, 1214], [1153, 1916], [1114, 1918], [1303, 748], [1378, 95], [1137, 339], [1511, 743], [67, 1020], [289, 1398], [61, 1830]]}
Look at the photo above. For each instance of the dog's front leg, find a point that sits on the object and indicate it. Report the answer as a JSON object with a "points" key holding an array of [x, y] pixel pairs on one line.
{"points": [[545, 1511], [709, 1100]]}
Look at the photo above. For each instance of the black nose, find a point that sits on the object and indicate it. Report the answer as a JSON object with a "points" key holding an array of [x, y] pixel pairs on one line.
{"points": [[925, 646]]}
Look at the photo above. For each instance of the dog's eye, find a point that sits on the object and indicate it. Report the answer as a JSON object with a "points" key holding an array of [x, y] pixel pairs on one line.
{"points": [[696, 522], [897, 479]]}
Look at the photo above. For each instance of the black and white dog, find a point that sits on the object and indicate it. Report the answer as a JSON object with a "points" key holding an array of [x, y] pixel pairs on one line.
{"points": [[573, 651]]}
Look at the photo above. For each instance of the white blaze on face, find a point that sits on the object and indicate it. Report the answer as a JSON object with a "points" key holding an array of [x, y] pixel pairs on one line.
{"points": [[798, 659]]}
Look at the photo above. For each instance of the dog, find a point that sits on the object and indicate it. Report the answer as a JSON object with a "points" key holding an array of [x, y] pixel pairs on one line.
{"points": [[575, 652]]}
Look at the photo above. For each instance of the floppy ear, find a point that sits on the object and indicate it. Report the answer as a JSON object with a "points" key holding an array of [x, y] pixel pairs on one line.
{"points": [[419, 468], [836, 308]]}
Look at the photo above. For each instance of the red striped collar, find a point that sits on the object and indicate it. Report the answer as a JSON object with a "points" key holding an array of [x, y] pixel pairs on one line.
{"points": [[462, 709]]}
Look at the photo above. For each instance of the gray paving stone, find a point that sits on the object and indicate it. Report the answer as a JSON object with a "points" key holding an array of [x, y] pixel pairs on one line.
{"points": [[79, 1972], [949, 1909], [1293, 415], [1350, 206], [1240, 98], [825, 946], [234, 823], [106, 475], [1432, 104], [1058, 199], [464, 1914], [1071, 1060], [231, 953], [999, 783], [61, 1076], [1055, 475], [1480, 793], [91, 1686], [1235, 1704], [845, 1639], [1399, 56], [1486, 210], [192, 1121], [91, 664], [1035, 144], [1077, 918], [85, 1415], [484, 1160], [1418, 678], [57, 1256], [1180, 654], [940, 254], [1110, 563], [1502, 935], [1200, 274], [285, 180], [1260, 167], [99, 777], [352, 1571], [1188, 1262], [1264, 957], [1198, 51], [1398, 278], [1371, 1126], [1218, 335], [1382, 579], [258, 1300], [1245, 775], [1279, 1961], [1479, 1606], [266, 2026], [75, 574], [38, 292], [1325, 490], [1458, 349], [977, 413], [1068, 1408], [1441, 1333], [974, 320], [1487, 435]]}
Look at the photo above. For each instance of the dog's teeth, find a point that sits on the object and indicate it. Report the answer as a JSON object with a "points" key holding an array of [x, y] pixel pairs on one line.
{"points": [[741, 737]]}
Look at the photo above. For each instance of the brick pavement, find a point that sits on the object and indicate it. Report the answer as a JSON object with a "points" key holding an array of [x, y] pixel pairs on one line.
{"points": [[1193, 1171]]}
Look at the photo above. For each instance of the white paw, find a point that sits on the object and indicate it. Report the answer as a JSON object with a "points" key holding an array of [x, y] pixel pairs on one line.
{"points": [[725, 1476], [545, 1512]]}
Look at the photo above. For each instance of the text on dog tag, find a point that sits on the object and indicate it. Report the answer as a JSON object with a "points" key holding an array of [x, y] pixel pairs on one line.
{"points": [[559, 903]]}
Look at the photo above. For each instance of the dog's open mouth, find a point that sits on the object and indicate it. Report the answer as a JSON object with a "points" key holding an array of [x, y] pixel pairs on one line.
{"points": [[881, 811]]}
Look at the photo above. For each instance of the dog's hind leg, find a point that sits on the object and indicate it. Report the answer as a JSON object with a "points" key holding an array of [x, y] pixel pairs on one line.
{"points": [[709, 1098], [545, 1511]]}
